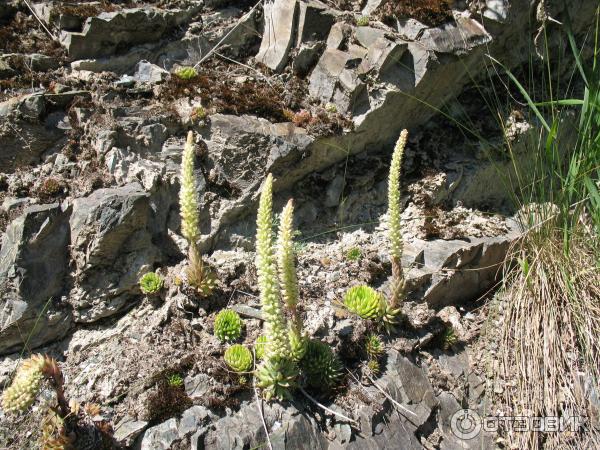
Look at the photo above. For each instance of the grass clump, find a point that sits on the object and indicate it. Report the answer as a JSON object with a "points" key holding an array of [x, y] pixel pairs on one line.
{"points": [[551, 310]]}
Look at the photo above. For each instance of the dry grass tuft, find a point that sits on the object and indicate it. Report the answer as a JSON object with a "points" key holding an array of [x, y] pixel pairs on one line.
{"points": [[550, 347]]}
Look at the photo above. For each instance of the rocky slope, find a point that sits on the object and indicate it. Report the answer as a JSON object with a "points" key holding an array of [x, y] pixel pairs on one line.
{"points": [[92, 123]]}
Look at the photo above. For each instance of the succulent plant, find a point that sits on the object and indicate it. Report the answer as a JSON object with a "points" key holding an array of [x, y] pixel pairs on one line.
{"points": [[373, 346], [391, 317], [277, 377], [260, 346], [449, 337], [373, 367], [365, 302], [320, 366], [277, 373], [21, 394], [228, 325], [353, 254], [175, 380], [275, 327], [186, 73], [298, 344], [330, 108], [239, 358], [151, 283], [289, 281], [198, 273], [199, 113], [362, 21], [53, 434], [395, 232]]}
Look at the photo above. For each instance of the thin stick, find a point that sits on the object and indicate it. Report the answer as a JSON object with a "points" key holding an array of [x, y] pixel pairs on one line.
{"points": [[245, 66], [224, 38], [258, 405], [389, 397], [39, 20], [331, 411]]}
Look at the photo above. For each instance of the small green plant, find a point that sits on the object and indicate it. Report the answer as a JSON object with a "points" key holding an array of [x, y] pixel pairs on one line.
{"points": [[331, 108], [175, 380], [228, 325], [239, 358], [449, 337], [366, 302], [151, 283], [362, 21], [373, 346], [353, 254], [198, 113], [373, 367], [321, 368], [186, 73], [259, 346], [277, 377], [198, 273]]}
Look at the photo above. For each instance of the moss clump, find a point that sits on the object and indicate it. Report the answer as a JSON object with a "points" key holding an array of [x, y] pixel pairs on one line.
{"points": [[228, 325]]}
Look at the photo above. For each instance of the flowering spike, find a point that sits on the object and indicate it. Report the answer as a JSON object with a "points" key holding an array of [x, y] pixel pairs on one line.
{"points": [[275, 329], [289, 281], [285, 259], [277, 374], [188, 201], [395, 233], [21, 394]]}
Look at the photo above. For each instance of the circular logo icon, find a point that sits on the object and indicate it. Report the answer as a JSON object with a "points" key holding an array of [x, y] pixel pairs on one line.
{"points": [[465, 424]]}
